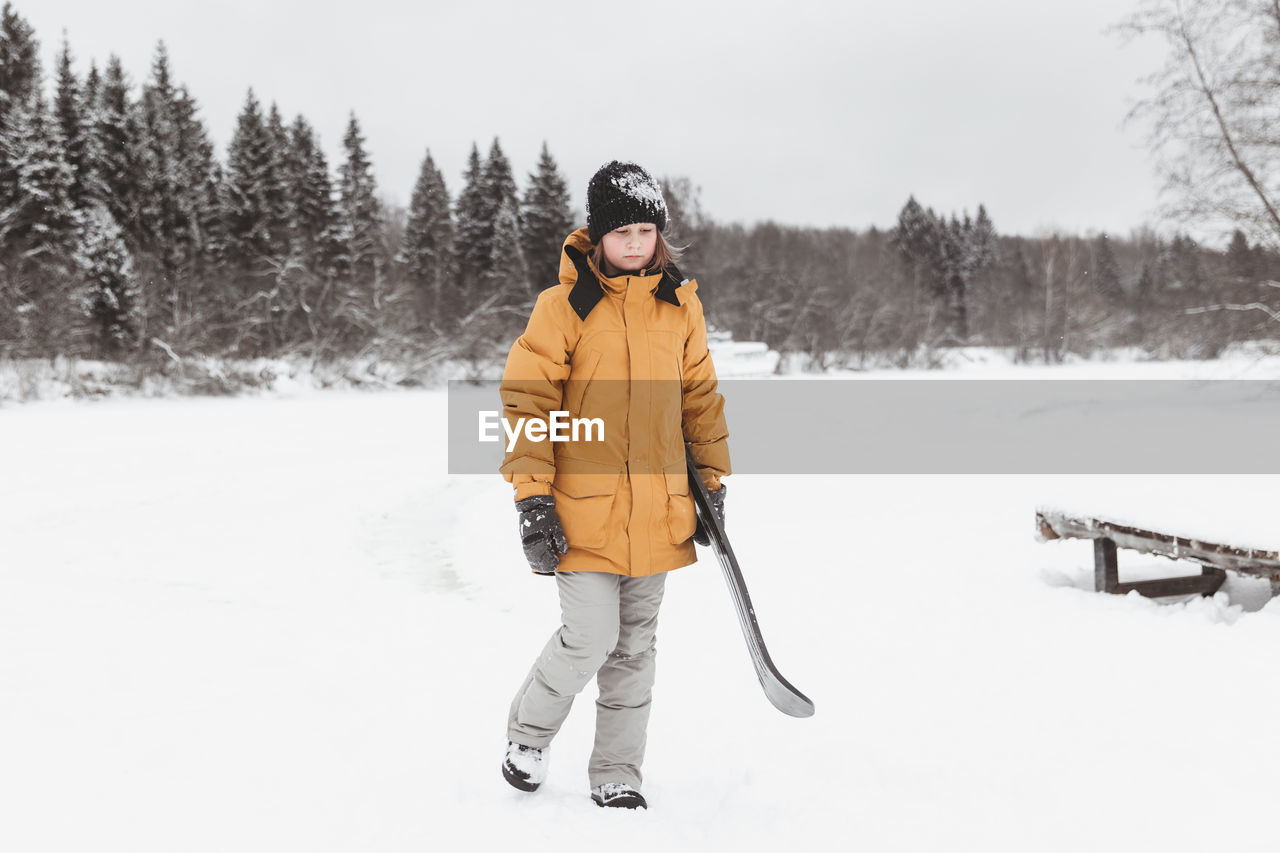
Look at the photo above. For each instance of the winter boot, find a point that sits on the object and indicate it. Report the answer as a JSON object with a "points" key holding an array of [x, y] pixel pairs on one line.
{"points": [[525, 767], [615, 795]]}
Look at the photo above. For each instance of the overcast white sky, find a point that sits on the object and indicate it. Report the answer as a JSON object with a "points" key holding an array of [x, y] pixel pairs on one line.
{"points": [[804, 112]]}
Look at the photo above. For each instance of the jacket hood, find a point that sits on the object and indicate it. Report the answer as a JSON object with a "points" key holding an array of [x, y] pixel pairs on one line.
{"points": [[578, 272], [579, 242]]}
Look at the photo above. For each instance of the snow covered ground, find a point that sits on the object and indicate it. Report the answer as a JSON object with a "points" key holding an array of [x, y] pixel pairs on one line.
{"points": [[278, 624]]}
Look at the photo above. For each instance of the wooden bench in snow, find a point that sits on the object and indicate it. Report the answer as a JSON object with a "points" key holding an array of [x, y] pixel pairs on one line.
{"points": [[1214, 558]]}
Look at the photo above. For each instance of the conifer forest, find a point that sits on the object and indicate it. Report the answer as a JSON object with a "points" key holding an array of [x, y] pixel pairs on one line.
{"points": [[126, 237]]}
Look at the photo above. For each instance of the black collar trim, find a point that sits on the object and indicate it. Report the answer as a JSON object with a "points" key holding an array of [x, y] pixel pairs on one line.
{"points": [[671, 279], [588, 290]]}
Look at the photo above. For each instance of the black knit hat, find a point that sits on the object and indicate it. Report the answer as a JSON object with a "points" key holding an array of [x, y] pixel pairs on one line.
{"points": [[622, 194]]}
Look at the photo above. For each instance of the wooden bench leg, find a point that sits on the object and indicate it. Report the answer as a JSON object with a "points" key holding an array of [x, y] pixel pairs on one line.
{"points": [[1106, 577], [1105, 572]]}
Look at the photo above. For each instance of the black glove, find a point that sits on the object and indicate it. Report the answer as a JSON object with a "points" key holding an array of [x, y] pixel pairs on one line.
{"points": [[700, 533], [541, 533]]}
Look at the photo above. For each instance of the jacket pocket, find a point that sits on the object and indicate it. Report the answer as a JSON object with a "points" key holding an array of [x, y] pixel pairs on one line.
{"points": [[585, 492], [579, 379], [682, 518]]}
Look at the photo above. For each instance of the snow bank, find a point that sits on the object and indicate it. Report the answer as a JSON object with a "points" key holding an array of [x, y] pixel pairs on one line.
{"points": [[277, 624], [31, 380]]}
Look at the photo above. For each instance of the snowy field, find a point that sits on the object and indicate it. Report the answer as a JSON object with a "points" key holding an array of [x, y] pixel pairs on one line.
{"points": [[277, 624]]}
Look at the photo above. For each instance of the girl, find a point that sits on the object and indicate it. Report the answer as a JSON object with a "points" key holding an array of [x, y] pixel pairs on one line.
{"points": [[621, 338]]}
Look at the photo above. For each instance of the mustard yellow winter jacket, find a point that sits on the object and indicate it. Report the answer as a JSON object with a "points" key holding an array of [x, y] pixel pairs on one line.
{"points": [[630, 350]]}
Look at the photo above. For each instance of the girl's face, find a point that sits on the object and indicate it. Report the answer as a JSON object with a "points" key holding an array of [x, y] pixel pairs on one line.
{"points": [[631, 247]]}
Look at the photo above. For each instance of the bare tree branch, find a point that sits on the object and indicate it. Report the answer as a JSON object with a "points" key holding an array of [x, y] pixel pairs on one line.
{"points": [[1212, 98], [1212, 111], [1252, 306]]}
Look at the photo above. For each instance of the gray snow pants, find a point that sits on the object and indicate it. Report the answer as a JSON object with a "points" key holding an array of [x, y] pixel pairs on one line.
{"points": [[608, 630]]}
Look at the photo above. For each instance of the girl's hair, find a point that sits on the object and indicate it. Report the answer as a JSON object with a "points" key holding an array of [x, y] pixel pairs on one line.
{"points": [[664, 255]]}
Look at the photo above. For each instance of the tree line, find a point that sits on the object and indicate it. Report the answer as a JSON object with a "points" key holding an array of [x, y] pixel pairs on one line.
{"points": [[904, 294], [123, 235]]}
